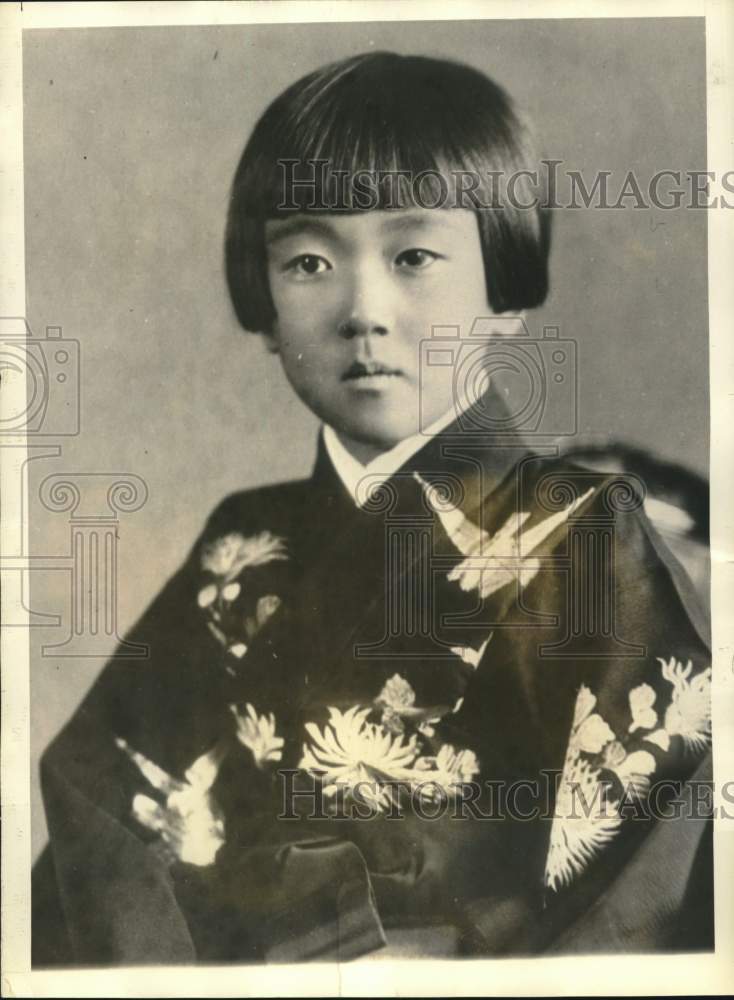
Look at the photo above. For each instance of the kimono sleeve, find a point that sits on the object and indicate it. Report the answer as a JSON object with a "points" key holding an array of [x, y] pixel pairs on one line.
{"points": [[101, 894], [161, 849]]}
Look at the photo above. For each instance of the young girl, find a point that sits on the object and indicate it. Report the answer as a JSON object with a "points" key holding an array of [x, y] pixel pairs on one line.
{"points": [[443, 697]]}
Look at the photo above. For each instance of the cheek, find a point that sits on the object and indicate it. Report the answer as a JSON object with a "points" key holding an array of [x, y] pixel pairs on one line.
{"points": [[459, 291], [303, 309], [447, 305]]}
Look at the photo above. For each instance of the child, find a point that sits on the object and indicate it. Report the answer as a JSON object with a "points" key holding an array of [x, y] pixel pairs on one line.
{"points": [[372, 696]]}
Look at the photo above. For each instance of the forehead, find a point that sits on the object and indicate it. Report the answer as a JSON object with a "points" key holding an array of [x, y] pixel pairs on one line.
{"points": [[375, 224]]}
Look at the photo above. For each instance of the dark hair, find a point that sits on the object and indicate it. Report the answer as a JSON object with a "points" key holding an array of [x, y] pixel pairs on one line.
{"points": [[380, 112]]}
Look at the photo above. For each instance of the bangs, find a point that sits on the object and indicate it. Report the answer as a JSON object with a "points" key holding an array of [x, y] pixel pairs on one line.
{"points": [[383, 131]]}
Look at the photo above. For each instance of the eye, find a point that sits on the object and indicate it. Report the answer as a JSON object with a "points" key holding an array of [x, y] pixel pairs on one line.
{"points": [[306, 265], [415, 259]]}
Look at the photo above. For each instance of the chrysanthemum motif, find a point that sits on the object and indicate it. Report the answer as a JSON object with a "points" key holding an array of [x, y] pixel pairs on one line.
{"points": [[584, 822], [641, 700], [226, 557], [689, 712], [355, 754], [493, 561], [257, 733], [190, 823]]}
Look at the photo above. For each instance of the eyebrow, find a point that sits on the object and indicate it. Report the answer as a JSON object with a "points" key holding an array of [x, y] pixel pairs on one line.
{"points": [[417, 218], [300, 224]]}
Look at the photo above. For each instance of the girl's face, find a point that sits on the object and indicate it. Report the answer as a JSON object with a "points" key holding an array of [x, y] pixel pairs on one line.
{"points": [[355, 298]]}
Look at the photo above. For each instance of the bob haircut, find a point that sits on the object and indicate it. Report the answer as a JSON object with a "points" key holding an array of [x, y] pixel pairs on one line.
{"points": [[385, 131]]}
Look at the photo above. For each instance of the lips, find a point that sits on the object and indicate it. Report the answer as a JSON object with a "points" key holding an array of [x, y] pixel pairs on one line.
{"points": [[368, 369]]}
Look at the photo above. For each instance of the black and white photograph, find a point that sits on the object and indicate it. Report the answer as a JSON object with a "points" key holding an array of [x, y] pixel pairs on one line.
{"points": [[366, 451]]}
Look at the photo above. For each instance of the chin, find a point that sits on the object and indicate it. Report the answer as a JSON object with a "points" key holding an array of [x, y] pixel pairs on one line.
{"points": [[383, 437], [371, 441]]}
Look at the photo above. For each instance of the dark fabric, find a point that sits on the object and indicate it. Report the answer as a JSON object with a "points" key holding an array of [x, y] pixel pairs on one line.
{"points": [[304, 888], [662, 895]]}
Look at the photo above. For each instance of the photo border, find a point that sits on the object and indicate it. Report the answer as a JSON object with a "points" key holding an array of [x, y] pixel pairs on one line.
{"points": [[561, 976]]}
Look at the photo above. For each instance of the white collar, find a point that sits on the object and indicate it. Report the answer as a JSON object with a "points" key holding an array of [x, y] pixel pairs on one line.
{"points": [[380, 469]]}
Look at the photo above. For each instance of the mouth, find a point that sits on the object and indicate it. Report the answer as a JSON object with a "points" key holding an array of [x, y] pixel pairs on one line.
{"points": [[370, 374]]}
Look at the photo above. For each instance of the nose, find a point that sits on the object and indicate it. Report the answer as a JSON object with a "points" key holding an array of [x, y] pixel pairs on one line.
{"points": [[355, 326], [367, 310]]}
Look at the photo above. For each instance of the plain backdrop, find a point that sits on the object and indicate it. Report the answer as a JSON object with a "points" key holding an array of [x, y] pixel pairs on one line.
{"points": [[131, 139]]}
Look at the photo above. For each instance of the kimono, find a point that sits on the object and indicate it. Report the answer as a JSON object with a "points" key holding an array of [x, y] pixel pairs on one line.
{"points": [[463, 718]]}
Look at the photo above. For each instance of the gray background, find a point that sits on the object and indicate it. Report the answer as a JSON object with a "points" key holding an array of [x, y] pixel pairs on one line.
{"points": [[131, 139]]}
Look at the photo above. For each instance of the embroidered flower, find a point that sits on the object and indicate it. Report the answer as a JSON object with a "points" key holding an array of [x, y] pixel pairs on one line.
{"points": [[583, 823], [660, 738], [689, 712], [351, 751], [472, 657], [427, 728], [190, 823], [641, 700], [397, 693], [257, 733], [633, 770], [494, 561], [266, 607], [614, 754], [225, 559], [231, 591], [207, 595], [229, 555], [446, 772], [574, 840], [590, 732], [397, 700]]}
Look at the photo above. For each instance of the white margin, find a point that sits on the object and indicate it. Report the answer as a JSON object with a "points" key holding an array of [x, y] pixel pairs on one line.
{"points": [[14, 643], [622, 975]]}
